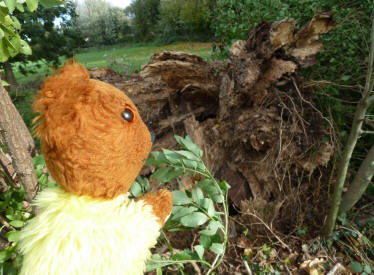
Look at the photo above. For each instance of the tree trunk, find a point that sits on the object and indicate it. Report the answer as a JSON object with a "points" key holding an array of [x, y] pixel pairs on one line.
{"points": [[9, 76], [361, 181], [19, 144], [256, 124], [354, 135]]}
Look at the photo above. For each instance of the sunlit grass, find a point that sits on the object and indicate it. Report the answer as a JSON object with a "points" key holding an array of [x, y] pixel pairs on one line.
{"points": [[134, 56]]}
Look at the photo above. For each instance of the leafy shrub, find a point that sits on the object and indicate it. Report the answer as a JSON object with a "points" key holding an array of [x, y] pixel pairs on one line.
{"points": [[196, 208]]}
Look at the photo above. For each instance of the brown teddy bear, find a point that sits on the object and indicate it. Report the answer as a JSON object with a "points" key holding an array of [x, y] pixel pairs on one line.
{"points": [[94, 143]]}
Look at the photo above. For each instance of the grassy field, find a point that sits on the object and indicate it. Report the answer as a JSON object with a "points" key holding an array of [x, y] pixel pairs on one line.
{"points": [[123, 59]]}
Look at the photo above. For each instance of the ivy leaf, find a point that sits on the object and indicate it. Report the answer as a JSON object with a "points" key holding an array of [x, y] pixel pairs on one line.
{"points": [[180, 198], [194, 219]]}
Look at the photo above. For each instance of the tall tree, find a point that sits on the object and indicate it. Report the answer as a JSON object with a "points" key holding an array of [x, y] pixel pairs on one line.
{"points": [[145, 16], [50, 32], [99, 22]]}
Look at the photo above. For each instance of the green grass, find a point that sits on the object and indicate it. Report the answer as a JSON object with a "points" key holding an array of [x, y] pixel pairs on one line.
{"points": [[124, 59]]}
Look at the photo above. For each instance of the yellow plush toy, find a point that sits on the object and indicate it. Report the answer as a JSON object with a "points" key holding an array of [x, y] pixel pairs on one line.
{"points": [[94, 143]]}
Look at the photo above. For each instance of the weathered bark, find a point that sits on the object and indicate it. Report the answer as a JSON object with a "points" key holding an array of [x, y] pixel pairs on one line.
{"points": [[256, 124], [19, 143]]}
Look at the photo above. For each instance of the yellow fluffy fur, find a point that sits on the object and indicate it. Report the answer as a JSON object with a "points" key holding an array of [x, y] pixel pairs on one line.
{"points": [[89, 236]]}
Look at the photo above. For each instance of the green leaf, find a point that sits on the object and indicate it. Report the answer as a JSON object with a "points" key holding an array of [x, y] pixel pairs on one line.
{"points": [[156, 262], [51, 3], [194, 219], [188, 155], [205, 241], [32, 4], [197, 194], [224, 185], [211, 190], [172, 156], [16, 23], [356, 266], [211, 229], [345, 77], [17, 223], [11, 4], [136, 189], [189, 145], [13, 236], [183, 211], [4, 255], [217, 248], [367, 269], [199, 250], [159, 158], [189, 164], [173, 174], [208, 205], [180, 198], [4, 83], [20, 7], [184, 255], [161, 173]]}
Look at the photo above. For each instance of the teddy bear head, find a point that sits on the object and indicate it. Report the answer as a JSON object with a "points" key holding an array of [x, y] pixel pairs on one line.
{"points": [[92, 136]]}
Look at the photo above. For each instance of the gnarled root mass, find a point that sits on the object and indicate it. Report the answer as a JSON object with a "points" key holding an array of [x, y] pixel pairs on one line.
{"points": [[251, 115]]}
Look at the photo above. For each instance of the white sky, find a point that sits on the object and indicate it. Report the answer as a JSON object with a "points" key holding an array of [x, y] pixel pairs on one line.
{"points": [[119, 3]]}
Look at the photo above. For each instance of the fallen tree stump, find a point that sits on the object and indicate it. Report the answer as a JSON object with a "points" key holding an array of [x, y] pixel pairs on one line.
{"points": [[255, 122]]}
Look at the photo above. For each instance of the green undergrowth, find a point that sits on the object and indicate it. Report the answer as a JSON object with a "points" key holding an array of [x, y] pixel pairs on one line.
{"points": [[203, 208]]}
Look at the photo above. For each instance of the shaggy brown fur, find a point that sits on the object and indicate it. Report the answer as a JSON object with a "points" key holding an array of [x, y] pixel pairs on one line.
{"points": [[89, 148]]}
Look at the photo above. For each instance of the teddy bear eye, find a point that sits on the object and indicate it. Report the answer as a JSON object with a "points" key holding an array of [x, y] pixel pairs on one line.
{"points": [[128, 115]]}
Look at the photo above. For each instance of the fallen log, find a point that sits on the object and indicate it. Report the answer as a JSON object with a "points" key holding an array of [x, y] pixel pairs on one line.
{"points": [[255, 122]]}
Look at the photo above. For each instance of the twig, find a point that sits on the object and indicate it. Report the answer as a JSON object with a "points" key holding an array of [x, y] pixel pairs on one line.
{"points": [[247, 267], [271, 231]]}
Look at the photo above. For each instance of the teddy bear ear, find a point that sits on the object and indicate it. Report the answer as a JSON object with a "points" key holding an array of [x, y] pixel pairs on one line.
{"points": [[57, 103]]}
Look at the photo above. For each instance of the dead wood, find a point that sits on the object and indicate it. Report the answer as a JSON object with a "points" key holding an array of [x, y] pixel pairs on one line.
{"points": [[256, 124]]}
